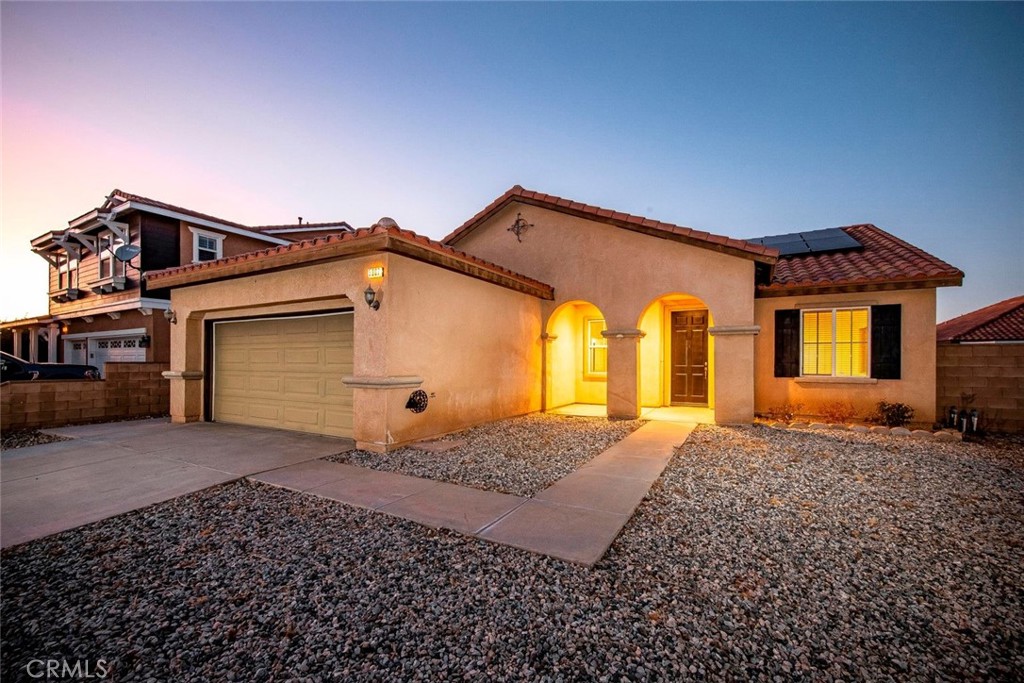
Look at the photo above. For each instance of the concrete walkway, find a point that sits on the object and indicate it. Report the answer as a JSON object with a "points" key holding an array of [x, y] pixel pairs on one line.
{"points": [[112, 468], [575, 519]]}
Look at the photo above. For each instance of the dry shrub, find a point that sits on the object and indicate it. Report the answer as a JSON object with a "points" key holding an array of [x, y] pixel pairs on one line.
{"points": [[838, 412], [785, 412]]}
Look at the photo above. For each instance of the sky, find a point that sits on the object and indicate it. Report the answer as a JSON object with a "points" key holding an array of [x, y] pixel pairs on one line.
{"points": [[742, 119]]}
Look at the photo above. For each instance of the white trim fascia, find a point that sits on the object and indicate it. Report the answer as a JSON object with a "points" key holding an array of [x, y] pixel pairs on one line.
{"points": [[132, 304], [199, 221], [133, 332], [342, 226], [83, 222]]}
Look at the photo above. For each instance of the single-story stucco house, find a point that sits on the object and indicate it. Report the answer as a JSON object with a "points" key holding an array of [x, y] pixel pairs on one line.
{"points": [[538, 302]]}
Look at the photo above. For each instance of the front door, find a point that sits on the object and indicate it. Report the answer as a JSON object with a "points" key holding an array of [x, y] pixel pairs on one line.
{"points": [[689, 358]]}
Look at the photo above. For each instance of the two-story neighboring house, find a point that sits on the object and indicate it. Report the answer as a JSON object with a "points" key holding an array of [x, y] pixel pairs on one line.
{"points": [[100, 306]]}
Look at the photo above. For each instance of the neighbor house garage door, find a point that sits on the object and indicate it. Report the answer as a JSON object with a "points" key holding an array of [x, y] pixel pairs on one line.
{"points": [[284, 373]]}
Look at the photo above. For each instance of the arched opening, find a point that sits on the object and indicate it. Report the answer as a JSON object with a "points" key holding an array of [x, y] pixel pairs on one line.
{"points": [[677, 359], [576, 360]]}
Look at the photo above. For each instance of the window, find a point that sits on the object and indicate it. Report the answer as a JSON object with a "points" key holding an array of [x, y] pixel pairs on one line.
{"points": [[835, 342], [596, 348], [107, 242], [839, 342], [66, 267], [206, 246]]}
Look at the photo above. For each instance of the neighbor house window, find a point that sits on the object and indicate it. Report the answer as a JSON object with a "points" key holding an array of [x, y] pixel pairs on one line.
{"points": [[105, 244], [206, 246], [596, 348], [66, 267]]}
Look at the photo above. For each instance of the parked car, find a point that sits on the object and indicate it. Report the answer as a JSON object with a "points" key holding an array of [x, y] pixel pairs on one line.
{"points": [[15, 369]]}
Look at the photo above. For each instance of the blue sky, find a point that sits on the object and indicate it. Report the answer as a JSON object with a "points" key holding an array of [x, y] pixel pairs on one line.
{"points": [[742, 119]]}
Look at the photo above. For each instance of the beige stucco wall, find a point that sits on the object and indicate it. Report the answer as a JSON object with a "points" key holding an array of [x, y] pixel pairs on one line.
{"points": [[475, 345], [622, 273], [915, 388]]}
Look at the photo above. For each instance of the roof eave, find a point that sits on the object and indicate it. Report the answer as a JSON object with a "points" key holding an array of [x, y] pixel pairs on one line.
{"points": [[806, 289], [338, 250]]}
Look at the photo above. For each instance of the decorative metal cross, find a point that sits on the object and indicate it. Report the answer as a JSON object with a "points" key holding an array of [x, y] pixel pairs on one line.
{"points": [[519, 227]]}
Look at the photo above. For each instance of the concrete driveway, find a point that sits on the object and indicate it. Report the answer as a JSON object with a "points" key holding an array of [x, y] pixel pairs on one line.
{"points": [[113, 468]]}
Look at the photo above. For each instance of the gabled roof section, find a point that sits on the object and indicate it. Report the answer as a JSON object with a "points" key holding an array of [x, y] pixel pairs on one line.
{"points": [[118, 197], [999, 322], [378, 238], [884, 262], [699, 238]]}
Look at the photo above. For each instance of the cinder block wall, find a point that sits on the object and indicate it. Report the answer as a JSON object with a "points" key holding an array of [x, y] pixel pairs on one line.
{"points": [[994, 373], [129, 390]]}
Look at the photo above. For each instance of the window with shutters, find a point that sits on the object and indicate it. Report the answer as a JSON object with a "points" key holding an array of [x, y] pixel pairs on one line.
{"points": [[853, 342], [835, 342]]}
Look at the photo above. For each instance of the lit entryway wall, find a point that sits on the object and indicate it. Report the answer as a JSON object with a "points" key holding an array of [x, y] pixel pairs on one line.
{"points": [[576, 356], [677, 353]]}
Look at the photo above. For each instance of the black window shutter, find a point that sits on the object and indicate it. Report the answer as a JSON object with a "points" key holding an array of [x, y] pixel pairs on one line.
{"points": [[787, 343], [886, 341]]}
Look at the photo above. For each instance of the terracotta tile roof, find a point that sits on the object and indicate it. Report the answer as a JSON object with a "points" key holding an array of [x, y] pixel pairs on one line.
{"points": [[1003, 321], [617, 218], [884, 260], [324, 246]]}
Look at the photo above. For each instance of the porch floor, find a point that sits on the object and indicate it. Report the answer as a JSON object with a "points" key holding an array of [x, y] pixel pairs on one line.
{"points": [[689, 414]]}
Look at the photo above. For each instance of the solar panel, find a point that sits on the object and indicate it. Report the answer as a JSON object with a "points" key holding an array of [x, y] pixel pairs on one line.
{"points": [[810, 242]]}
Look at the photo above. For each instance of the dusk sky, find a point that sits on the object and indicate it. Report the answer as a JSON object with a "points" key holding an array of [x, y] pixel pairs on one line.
{"points": [[740, 119]]}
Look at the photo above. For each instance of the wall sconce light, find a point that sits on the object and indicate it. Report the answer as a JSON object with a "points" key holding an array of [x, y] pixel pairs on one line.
{"points": [[372, 297], [64, 328], [171, 316], [144, 341]]}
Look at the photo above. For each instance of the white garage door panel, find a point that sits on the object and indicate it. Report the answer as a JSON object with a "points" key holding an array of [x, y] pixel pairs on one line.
{"points": [[285, 373]]}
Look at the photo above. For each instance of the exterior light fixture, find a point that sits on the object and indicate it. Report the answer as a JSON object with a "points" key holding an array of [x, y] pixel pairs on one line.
{"points": [[171, 316], [144, 341], [519, 226], [372, 298]]}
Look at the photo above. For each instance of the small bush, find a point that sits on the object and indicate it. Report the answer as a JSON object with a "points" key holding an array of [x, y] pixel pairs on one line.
{"points": [[786, 412], [893, 414], [838, 412]]}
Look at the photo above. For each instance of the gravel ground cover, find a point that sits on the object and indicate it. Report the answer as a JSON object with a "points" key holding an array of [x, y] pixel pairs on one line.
{"points": [[759, 555], [23, 438], [520, 456]]}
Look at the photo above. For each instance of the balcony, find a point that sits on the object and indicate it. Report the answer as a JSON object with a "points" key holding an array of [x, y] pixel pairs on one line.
{"points": [[65, 295], [108, 284]]}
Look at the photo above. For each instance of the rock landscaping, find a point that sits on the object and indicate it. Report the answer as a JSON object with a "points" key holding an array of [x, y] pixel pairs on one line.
{"points": [[23, 438], [760, 554], [519, 456]]}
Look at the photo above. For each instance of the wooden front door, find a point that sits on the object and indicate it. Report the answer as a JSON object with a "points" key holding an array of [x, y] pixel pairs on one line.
{"points": [[689, 358]]}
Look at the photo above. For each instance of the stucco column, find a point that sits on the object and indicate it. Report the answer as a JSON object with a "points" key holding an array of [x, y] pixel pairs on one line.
{"points": [[623, 373], [545, 370], [186, 373], [734, 373]]}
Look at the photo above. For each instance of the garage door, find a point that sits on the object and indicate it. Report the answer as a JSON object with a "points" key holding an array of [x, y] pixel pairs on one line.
{"points": [[284, 373]]}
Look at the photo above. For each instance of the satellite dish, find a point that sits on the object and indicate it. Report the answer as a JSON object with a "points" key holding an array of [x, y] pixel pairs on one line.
{"points": [[126, 252]]}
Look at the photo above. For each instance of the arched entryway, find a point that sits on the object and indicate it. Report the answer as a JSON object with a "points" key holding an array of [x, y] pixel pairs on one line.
{"points": [[677, 355], [576, 359]]}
